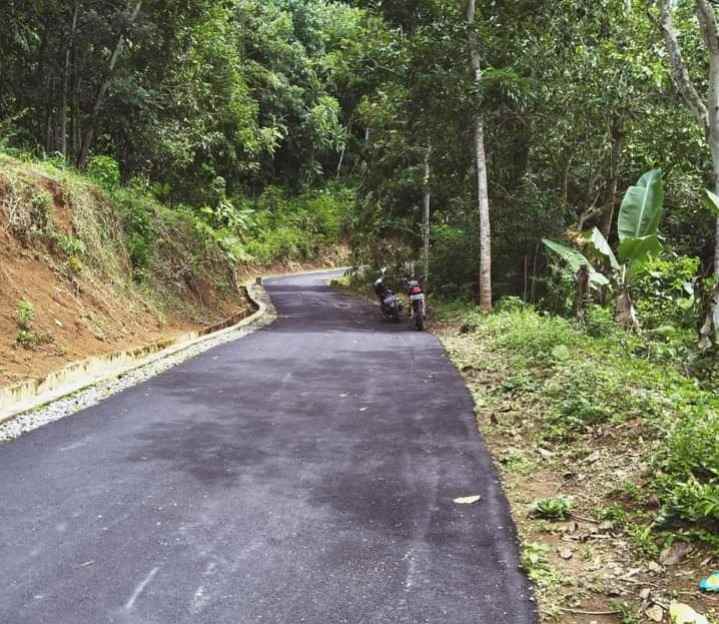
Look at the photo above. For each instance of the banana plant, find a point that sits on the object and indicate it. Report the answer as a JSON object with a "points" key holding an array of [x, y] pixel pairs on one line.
{"points": [[638, 232]]}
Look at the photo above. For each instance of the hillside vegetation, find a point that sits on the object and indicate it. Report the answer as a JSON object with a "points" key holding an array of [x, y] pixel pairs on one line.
{"points": [[89, 266]]}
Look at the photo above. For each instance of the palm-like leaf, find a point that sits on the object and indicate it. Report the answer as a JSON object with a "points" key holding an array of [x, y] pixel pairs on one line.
{"points": [[641, 209], [602, 246], [712, 201], [636, 250], [576, 260]]}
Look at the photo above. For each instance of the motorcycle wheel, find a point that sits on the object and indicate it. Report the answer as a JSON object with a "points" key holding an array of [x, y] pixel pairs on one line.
{"points": [[418, 317]]}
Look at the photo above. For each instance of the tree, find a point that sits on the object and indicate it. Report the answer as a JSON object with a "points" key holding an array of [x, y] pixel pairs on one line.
{"points": [[480, 156], [705, 110]]}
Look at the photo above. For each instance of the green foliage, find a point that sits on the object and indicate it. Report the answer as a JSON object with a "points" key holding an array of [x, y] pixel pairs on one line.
{"points": [[535, 563], [558, 508], [105, 171], [665, 292], [70, 245], [641, 210], [454, 251], [26, 336], [297, 228], [643, 538], [137, 213], [575, 260], [41, 203], [25, 314], [583, 378]]}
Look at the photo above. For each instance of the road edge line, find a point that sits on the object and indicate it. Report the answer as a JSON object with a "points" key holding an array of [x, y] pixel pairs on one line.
{"points": [[30, 395]]}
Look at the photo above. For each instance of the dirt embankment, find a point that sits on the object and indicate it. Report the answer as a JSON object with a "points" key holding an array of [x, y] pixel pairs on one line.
{"points": [[66, 285]]}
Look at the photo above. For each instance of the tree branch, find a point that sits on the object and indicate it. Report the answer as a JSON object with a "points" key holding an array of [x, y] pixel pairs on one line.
{"points": [[680, 73]]}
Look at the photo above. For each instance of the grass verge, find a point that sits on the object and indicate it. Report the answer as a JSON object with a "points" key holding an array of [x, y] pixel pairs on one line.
{"points": [[610, 461]]}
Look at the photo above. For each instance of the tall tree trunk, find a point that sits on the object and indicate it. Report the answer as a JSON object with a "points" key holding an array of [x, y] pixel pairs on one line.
{"points": [[343, 152], [480, 155], [89, 135], [617, 134], [426, 228], [66, 81]]}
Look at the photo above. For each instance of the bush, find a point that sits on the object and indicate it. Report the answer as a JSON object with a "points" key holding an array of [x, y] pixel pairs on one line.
{"points": [[137, 214], [105, 171], [664, 293], [534, 336], [558, 508], [25, 314]]}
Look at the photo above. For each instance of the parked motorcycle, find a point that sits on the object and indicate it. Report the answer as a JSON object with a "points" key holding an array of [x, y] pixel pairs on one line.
{"points": [[417, 303], [390, 303]]}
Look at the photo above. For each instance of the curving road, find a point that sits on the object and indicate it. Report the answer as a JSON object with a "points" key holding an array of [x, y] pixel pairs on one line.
{"points": [[303, 474]]}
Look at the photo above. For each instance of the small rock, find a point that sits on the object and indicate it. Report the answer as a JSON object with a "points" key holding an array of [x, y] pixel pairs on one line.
{"points": [[675, 553], [566, 553], [607, 525], [645, 593], [655, 567], [545, 453], [655, 613]]}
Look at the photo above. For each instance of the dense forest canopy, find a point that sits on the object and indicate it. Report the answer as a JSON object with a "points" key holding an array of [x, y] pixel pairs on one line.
{"points": [[213, 99]]}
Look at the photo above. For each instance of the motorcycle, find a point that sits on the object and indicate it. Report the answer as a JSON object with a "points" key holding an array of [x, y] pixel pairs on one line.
{"points": [[417, 303], [390, 303]]}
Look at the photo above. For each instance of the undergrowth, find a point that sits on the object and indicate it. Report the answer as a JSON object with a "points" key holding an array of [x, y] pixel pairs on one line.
{"points": [[124, 235], [583, 379]]}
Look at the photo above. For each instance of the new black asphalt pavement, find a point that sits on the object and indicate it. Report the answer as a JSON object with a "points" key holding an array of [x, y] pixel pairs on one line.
{"points": [[303, 474]]}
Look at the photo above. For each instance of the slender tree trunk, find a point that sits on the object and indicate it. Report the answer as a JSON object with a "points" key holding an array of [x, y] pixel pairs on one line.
{"points": [[66, 81], [617, 132], [485, 239], [89, 135], [343, 152], [426, 228]]}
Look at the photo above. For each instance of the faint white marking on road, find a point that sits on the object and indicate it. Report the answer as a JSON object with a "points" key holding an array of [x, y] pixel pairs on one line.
{"points": [[140, 588], [199, 600], [411, 568], [74, 445]]}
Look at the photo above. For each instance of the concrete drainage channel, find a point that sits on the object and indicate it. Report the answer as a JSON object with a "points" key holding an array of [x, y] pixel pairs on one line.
{"points": [[30, 405]]}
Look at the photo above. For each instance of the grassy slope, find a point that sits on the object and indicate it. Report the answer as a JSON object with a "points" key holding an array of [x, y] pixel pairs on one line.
{"points": [[632, 444]]}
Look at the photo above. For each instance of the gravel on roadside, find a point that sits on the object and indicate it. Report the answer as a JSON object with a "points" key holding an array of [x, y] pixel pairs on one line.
{"points": [[73, 403]]}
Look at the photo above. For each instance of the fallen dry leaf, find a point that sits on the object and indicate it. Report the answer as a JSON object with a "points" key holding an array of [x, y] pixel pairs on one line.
{"points": [[467, 500]]}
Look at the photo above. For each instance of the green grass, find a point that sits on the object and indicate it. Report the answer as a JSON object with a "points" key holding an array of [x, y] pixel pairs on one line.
{"points": [[584, 379]]}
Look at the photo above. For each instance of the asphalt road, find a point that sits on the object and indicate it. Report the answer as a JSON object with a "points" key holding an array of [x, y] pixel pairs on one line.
{"points": [[303, 474]]}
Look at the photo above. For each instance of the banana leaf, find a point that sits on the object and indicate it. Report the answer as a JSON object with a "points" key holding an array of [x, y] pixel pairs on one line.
{"points": [[602, 246], [642, 207], [712, 202], [575, 260], [633, 251]]}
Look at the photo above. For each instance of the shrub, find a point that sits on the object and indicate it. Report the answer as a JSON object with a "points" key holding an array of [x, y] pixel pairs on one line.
{"points": [[40, 205], [105, 171], [25, 314], [137, 213], [557, 508], [534, 336], [664, 293]]}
